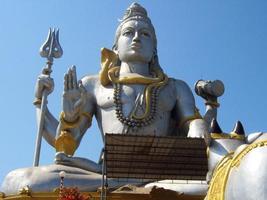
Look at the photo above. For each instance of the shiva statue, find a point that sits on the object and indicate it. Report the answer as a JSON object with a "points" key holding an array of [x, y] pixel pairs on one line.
{"points": [[130, 95]]}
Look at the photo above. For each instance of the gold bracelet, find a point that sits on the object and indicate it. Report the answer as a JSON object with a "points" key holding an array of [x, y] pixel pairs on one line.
{"points": [[67, 125], [37, 101], [212, 103], [65, 143]]}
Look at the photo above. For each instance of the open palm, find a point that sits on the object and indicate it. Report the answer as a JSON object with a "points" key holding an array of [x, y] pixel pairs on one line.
{"points": [[73, 95]]}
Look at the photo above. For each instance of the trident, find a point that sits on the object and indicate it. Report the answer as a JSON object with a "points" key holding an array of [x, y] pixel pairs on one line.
{"points": [[50, 49]]}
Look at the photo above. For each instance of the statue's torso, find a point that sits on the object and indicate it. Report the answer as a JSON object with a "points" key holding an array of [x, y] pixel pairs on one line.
{"points": [[106, 114]]}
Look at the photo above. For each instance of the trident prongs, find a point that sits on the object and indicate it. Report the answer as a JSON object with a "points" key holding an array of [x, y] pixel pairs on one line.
{"points": [[51, 49]]}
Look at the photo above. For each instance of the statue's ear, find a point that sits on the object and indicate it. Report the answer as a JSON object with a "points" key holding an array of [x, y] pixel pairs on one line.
{"points": [[115, 50], [107, 54]]}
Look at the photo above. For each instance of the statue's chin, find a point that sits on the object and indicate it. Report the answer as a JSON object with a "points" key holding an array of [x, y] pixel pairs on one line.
{"points": [[135, 57]]}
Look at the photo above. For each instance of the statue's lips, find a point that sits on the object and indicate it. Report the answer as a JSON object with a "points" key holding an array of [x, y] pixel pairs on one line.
{"points": [[136, 46]]}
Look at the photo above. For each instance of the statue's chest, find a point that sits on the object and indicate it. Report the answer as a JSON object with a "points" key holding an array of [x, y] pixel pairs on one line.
{"points": [[130, 95], [127, 94]]}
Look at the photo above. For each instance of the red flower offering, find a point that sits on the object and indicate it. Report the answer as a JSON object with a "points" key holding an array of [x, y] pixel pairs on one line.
{"points": [[72, 194]]}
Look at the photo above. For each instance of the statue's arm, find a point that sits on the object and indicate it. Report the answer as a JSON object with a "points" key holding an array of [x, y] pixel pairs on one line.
{"points": [[79, 106], [190, 121], [44, 82], [50, 125], [73, 135]]}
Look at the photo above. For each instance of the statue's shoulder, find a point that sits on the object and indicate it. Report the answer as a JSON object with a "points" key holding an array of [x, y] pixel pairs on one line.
{"points": [[91, 82], [179, 85]]}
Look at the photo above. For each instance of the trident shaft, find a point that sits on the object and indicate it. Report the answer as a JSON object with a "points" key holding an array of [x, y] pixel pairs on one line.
{"points": [[50, 49]]}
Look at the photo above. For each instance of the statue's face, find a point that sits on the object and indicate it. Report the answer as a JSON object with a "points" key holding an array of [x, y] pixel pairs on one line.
{"points": [[135, 43]]}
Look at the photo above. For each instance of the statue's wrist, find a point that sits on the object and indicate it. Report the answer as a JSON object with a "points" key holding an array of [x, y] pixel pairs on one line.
{"points": [[73, 124], [212, 102], [68, 124], [37, 101], [70, 118]]}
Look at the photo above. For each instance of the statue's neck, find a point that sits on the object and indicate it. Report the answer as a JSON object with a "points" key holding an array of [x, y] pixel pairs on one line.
{"points": [[134, 68]]}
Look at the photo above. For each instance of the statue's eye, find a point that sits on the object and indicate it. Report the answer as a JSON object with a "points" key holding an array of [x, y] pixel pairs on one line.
{"points": [[127, 33], [146, 34]]}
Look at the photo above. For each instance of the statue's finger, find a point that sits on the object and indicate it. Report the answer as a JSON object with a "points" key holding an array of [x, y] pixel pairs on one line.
{"points": [[70, 86], [66, 77], [74, 77]]}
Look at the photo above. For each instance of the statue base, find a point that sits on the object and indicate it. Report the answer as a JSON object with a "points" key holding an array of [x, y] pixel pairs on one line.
{"points": [[43, 182], [149, 194], [46, 179]]}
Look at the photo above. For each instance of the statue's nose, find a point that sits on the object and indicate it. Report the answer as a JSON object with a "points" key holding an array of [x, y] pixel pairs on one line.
{"points": [[136, 37]]}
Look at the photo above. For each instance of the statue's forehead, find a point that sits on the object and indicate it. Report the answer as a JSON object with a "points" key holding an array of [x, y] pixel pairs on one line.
{"points": [[137, 24]]}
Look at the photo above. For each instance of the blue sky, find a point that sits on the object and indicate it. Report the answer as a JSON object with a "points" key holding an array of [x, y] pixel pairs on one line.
{"points": [[208, 39]]}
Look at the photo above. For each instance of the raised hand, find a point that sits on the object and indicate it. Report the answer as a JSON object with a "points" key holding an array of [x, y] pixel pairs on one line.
{"points": [[74, 95]]}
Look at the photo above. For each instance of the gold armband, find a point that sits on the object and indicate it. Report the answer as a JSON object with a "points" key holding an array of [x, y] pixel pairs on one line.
{"points": [[65, 143]]}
